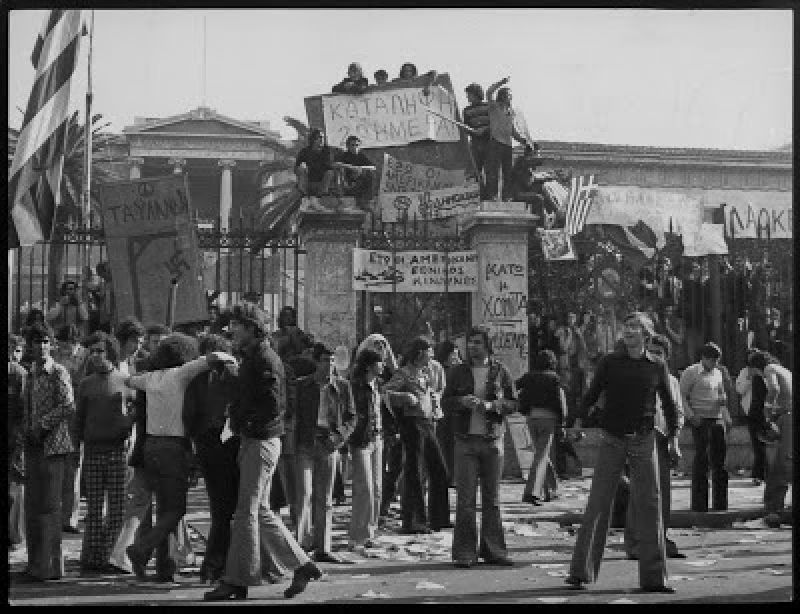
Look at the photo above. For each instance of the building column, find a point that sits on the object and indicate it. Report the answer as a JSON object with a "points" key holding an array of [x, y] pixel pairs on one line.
{"points": [[136, 167], [178, 165], [500, 305], [226, 192], [329, 299]]}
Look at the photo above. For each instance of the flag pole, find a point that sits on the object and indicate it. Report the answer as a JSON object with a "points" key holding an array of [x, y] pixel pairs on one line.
{"points": [[87, 144]]}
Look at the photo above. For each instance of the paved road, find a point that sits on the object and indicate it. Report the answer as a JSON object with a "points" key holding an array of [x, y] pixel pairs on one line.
{"points": [[741, 561]]}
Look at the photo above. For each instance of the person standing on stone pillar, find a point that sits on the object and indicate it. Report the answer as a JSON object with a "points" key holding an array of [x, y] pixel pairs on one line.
{"points": [[476, 116], [502, 128]]}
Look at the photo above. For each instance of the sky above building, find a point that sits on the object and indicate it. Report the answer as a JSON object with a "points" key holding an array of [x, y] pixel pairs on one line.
{"points": [[717, 79]]}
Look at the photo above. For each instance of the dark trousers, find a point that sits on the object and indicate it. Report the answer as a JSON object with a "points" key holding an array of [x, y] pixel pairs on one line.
{"points": [[393, 460], [44, 477], [755, 425], [166, 472], [16, 498], [499, 157], [480, 149], [444, 433], [709, 447], [422, 454], [221, 476]]}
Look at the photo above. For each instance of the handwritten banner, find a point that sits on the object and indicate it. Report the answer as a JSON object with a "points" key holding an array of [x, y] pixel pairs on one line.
{"points": [[710, 240], [431, 204], [390, 118], [414, 271], [151, 239], [400, 176], [660, 210], [766, 220]]}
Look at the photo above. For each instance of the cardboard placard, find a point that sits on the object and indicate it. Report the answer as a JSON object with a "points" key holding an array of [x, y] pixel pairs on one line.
{"points": [[151, 239]]}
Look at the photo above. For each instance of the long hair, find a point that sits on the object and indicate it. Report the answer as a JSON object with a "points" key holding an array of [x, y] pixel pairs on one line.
{"points": [[443, 351], [378, 343]]}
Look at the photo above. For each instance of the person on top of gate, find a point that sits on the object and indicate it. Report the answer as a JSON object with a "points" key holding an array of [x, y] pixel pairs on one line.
{"points": [[314, 166], [502, 127], [381, 77], [356, 171], [354, 83]]}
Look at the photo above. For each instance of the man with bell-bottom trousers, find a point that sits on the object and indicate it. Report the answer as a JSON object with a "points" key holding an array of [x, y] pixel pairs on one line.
{"points": [[631, 378]]}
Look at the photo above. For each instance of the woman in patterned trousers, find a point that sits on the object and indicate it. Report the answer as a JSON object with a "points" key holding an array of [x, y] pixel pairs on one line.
{"points": [[103, 425]]}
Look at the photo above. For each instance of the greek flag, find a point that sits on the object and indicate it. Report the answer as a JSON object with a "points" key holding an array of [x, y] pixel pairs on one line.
{"points": [[579, 202], [35, 173]]}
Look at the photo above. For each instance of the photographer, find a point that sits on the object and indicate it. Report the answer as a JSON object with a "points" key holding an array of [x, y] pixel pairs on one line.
{"points": [[69, 309]]}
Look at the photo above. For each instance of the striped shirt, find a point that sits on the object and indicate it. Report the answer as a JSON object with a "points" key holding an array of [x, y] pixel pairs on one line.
{"points": [[702, 391], [476, 116]]}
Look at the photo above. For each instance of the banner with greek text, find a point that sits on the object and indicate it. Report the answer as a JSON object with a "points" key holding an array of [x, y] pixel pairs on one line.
{"points": [[661, 211], [391, 117], [414, 271], [766, 221], [151, 239], [431, 204], [400, 176]]}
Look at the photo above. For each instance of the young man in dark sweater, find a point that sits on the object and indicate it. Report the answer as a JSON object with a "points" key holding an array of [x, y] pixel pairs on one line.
{"points": [[476, 116], [630, 379], [103, 424]]}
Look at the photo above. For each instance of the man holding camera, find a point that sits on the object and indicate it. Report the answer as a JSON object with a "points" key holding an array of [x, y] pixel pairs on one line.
{"points": [[69, 309], [478, 394]]}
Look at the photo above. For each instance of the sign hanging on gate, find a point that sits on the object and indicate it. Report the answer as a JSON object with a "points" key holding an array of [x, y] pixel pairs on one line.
{"points": [[415, 271], [151, 239]]}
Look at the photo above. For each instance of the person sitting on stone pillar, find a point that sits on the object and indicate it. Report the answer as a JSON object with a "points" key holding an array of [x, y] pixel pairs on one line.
{"points": [[314, 166], [356, 172]]}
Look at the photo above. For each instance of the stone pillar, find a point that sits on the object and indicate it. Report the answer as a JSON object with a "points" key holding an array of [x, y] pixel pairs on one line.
{"points": [[500, 304], [178, 165], [226, 192], [329, 298], [501, 242], [136, 167]]}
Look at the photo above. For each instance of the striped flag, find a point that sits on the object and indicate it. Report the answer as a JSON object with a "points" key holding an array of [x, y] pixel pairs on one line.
{"points": [[578, 203], [35, 173]]}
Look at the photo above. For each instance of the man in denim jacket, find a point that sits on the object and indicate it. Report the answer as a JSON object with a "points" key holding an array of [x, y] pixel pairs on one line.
{"points": [[478, 394], [326, 418]]}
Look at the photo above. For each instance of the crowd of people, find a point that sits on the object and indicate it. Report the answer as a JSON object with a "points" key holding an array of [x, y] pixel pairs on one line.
{"points": [[268, 417]]}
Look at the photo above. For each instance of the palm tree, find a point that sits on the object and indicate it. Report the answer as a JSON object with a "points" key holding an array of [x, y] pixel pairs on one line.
{"points": [[275, 216]]}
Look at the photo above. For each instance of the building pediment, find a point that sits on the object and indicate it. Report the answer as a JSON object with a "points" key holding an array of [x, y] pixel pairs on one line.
{"points": [[203, 122]]}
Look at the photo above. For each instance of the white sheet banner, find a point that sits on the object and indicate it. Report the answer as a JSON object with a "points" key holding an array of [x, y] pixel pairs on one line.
{"points": [[390, 117], [415, 271], [767, 220], [431, 204], [710, 240], [626, 205], [400, 176]]}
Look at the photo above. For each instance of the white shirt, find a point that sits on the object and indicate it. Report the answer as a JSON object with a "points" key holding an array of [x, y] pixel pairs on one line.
{"points": [[477, 420], [165, 390]]}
